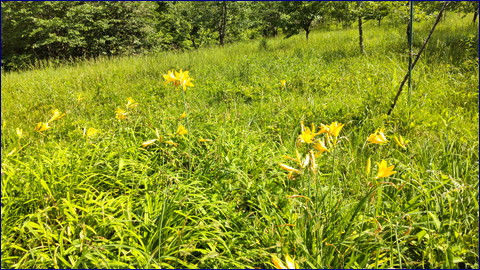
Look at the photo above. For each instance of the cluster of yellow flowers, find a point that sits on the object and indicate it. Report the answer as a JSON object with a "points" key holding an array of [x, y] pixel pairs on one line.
{"points": [[42, 126], [379, 138], [90, 132], [180, 78], [309, 136], [290, 263], [183, 79], [121, 114]]}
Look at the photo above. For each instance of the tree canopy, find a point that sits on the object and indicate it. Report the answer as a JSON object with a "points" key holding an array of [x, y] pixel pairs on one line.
{"points": [[34, 30]]}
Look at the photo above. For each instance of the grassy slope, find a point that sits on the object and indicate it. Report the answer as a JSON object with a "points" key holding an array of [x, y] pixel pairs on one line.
{"points": [[104, 202]]}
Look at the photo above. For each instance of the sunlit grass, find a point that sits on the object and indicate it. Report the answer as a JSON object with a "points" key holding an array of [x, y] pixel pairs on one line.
{"points": [[239, 169]]}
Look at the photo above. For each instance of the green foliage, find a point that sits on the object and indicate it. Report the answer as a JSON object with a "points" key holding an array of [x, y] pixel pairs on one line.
{"points": [[66, 31], [44, 30], [104, 201], [301, 15]]}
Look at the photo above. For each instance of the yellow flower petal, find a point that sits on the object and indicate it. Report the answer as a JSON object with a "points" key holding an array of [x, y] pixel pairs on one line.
{"points": [[335, 128], [56, 115], [181, 130], [288, 168], [277, 262], [400, 141], [320, 146], [42, 126], [19, 133], [378, 137], [148, 143], [131, 103], [383, 170], [307, 136], [120, 114], [290, 262], [91, 132], [368, 167], [171, 143], [180, 78], [80, 97]]}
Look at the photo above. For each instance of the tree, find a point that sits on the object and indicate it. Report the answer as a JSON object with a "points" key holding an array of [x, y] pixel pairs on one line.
{"points": [[360, 13], [341, 12], [370, 10], [377, 10], [300, 15], [42, 30], [266, 17]]}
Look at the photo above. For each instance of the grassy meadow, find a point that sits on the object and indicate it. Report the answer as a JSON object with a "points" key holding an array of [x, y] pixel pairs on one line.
{"points": [[210, 192]]}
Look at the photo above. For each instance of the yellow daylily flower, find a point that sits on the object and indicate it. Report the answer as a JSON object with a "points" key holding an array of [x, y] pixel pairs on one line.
{"points": [[335, 128], [181, 130], [307, 134], [42, 126], [183, 115], [181, 78], [378, 137], [185, 80], [320, 146], [283, 83], [400, 141], [90, 132], [56, 115], [80, 97], [120, 114], [288, 168], [279, 264], [131, 103], [20, 133], [148, 143], [172, 76], [384, 170], [324, 129], [171, 143]]}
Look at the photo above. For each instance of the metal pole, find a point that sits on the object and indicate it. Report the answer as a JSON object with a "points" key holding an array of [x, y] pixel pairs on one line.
{"points": [[410, 56], [417, 56]]}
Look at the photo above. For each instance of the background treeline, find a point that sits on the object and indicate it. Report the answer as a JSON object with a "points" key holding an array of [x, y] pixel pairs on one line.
{"points": [[66, 30]]}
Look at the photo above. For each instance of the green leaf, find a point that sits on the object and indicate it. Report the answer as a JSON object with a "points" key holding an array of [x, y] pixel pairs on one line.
{"points": [[436, 222]]}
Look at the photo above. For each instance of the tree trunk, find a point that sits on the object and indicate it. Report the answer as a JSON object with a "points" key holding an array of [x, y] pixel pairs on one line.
{"points": [[379, 20], [475, 15], [306, 26], [360, 34], [223, 24]]}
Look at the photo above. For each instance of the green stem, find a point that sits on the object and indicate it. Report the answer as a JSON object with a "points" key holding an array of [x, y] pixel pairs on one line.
{"points": [[379, 200], [188, 128], [161, 226]]}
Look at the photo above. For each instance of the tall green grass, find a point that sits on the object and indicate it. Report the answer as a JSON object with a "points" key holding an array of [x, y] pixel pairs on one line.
{"points": [[106, 202]]}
